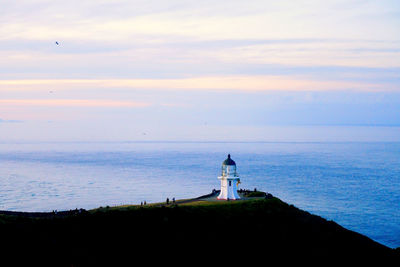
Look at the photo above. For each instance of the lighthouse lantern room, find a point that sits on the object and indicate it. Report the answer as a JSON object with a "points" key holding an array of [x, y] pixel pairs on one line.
{"points": [[229, 180]]}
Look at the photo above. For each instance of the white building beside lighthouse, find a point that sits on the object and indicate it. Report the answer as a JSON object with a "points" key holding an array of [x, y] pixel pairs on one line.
{"points": [[229, 180]]}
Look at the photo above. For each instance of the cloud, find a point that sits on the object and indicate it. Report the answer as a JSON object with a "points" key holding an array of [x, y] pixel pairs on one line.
{"points": [[193, 38], [71, 103], [203, 20], [10, 121], [220, 83]]}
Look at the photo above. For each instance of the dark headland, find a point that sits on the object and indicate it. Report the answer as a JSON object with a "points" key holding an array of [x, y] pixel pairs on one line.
{"points": [[259, 229]]}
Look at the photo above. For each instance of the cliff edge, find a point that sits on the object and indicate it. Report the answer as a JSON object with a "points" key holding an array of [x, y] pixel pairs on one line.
{"points": [[253, 230]]}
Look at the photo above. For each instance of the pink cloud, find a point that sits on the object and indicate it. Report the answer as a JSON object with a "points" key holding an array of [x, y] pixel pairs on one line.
{"points": [[71, 103]]}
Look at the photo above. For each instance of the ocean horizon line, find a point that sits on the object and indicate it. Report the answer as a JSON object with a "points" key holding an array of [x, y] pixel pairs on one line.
{"points": [[192, 142]]}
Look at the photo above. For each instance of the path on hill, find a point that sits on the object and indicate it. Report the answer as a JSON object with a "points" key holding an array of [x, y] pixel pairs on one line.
{"points": [[209, 197]]}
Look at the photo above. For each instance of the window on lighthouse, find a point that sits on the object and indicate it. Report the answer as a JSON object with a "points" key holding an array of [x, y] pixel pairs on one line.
{"points": [[230, 183]]}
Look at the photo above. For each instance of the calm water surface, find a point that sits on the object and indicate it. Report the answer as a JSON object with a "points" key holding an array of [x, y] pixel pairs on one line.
{"points": [[354, 184]]}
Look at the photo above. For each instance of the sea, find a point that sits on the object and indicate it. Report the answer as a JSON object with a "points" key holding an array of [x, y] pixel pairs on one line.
{"points": [[356, 184]]}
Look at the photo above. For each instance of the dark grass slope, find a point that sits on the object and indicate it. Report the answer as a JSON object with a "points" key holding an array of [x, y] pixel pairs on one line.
{"points": [[249, 231]]}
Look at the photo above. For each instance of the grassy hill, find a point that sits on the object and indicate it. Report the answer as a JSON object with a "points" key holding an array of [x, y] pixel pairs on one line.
{"points": [[250, 231]]}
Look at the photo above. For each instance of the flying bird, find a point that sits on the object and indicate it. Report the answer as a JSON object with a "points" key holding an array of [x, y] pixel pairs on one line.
{"points": [[57, 43]]}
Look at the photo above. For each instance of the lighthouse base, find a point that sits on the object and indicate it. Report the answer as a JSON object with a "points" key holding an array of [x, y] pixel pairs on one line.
{"points": [[220, 198], [228, 189]]}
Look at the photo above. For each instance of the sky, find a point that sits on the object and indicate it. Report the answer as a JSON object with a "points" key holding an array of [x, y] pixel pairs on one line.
{"points": [[216, 70]]}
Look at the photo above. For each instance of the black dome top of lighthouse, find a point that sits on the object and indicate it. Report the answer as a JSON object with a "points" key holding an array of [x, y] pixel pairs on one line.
{"points": [[229, 161]]}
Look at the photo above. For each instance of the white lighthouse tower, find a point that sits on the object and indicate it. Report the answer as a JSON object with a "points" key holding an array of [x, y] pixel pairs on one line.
{"points": [[229, 180]]}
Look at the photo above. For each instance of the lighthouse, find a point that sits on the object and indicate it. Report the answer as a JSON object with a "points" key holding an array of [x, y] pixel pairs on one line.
{"points": [[229, 180]]}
